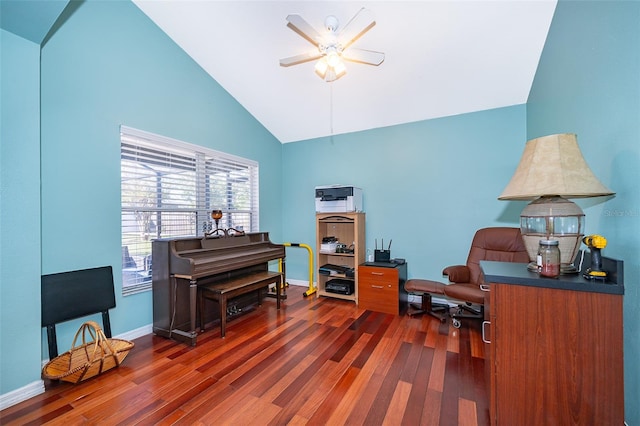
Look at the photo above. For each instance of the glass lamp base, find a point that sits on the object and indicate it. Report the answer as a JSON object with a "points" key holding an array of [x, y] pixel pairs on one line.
{"points": [[565, 269]]}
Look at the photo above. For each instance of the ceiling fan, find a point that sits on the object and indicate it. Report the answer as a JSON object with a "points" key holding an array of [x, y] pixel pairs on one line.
{"points": [[333, 45]]}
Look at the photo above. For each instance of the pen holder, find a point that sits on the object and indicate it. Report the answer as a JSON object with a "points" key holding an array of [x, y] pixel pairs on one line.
{"points": [[382, 255]]}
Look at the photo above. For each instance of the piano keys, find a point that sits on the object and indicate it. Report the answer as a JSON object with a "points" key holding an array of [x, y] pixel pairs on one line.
{"points": [[180, 265]]}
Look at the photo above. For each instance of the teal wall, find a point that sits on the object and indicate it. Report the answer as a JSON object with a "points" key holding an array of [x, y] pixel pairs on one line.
{"points": [[106, 65], [20, 358], [110, 65], [428, 186], [588, 83]]}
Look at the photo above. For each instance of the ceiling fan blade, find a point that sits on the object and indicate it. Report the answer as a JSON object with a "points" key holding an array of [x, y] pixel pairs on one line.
{"points": [[302, 27], [369, 57], [299, 59], [356, 27]]}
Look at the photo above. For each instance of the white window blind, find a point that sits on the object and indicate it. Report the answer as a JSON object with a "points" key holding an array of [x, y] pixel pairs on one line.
{"points": [[168, 189]]}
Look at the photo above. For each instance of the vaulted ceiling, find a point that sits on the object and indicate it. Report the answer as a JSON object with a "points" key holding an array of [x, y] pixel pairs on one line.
{"points": [[442, 58]]}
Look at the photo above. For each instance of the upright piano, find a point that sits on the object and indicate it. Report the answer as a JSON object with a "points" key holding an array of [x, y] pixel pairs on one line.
{"points": [[180, 265]]}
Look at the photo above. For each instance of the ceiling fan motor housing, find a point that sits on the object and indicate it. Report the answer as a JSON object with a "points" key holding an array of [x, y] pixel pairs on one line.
{"points": [[331, 23]]}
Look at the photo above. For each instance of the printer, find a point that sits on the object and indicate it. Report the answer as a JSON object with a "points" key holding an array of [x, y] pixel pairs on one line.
{"points": [[338, 198]]}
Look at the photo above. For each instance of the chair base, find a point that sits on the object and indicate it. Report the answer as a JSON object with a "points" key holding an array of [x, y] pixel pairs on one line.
{"points": [[436, 310], [466, 311]]}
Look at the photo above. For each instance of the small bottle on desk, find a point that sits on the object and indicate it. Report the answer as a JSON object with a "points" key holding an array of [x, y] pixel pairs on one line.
{"points": [[548, 259]]}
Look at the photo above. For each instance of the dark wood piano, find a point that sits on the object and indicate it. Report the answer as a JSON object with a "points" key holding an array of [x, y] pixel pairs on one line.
{"points": [[181, 265]]}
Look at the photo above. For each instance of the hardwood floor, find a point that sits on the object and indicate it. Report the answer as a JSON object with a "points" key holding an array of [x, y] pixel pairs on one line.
{"points": [[316, 361]]}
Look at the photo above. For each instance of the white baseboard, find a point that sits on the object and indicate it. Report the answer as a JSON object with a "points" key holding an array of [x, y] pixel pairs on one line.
{"points": [[22, 394], [138, 332], [301, 283], [414, 298], [36, 388]]}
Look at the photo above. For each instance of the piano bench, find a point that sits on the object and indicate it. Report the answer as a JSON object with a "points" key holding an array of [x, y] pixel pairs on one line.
{"points": [[222, 291]]}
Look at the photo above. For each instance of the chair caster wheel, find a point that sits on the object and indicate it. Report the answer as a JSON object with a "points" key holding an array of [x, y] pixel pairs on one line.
{"points": [[456, 323]]}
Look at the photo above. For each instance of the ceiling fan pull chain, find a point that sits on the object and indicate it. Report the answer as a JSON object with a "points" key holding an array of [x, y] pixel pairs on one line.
{"points": [[331, 110]]}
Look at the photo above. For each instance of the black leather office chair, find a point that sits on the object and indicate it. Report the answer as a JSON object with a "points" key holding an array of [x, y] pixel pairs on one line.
{"points": [[501, 244]]}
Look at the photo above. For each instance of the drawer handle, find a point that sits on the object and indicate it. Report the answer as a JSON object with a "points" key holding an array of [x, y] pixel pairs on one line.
{"points": [[377, 286], [484, 324], [377, 273], [484, 287]]}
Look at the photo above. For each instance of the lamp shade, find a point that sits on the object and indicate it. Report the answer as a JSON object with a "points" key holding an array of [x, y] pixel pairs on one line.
{"points": [[551, 170], [553, 165]]}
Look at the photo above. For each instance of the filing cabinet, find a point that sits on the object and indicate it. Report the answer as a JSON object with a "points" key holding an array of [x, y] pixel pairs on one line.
{"points": [[381, 287]]}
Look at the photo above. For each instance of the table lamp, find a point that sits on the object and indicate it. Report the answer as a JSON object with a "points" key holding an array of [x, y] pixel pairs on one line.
{"points": [[551, 170]]}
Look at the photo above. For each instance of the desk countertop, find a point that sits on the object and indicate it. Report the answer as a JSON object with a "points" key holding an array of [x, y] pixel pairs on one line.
{"points": [[517, 273]]}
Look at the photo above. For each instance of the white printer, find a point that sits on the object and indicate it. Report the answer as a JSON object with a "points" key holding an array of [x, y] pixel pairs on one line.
{"points": [[338, 198]]}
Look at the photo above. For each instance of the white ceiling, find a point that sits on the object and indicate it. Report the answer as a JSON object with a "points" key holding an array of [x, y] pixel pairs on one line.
{"points": [[443, 58]]}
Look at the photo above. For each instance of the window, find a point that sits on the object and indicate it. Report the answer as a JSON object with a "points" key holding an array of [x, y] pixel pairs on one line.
{"points": [[168, 189]]}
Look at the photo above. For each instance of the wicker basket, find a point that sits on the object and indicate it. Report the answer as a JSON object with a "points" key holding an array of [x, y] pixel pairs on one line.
{"points": [[89, 359]]}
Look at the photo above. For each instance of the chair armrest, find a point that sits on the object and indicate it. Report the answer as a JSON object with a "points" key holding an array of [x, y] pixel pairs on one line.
{"points": [[458, 273]]}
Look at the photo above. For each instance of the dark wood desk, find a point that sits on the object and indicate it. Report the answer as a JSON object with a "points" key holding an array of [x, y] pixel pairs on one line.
{"points": [[555, 355]]}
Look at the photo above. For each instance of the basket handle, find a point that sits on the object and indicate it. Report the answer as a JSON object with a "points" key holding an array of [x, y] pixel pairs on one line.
{"points": [[98, 336]]}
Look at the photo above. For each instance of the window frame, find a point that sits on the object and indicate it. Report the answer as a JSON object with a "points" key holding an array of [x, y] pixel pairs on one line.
{"points": [[190, 181]]}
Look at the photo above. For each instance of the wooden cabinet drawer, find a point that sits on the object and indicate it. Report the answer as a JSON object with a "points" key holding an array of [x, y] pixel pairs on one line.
{"points": [[378, 275], [378, 289], [379, 298]]}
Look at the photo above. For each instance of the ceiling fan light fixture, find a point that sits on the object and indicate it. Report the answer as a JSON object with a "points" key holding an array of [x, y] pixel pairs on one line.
{"points": [[321, 67], [333, 59], [330, 76], [327, 72], [340, 69]]}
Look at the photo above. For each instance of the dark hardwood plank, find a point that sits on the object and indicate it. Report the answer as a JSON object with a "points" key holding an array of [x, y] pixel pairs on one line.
{"points": [[316, 361], [385, 392], [418, 394]]}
